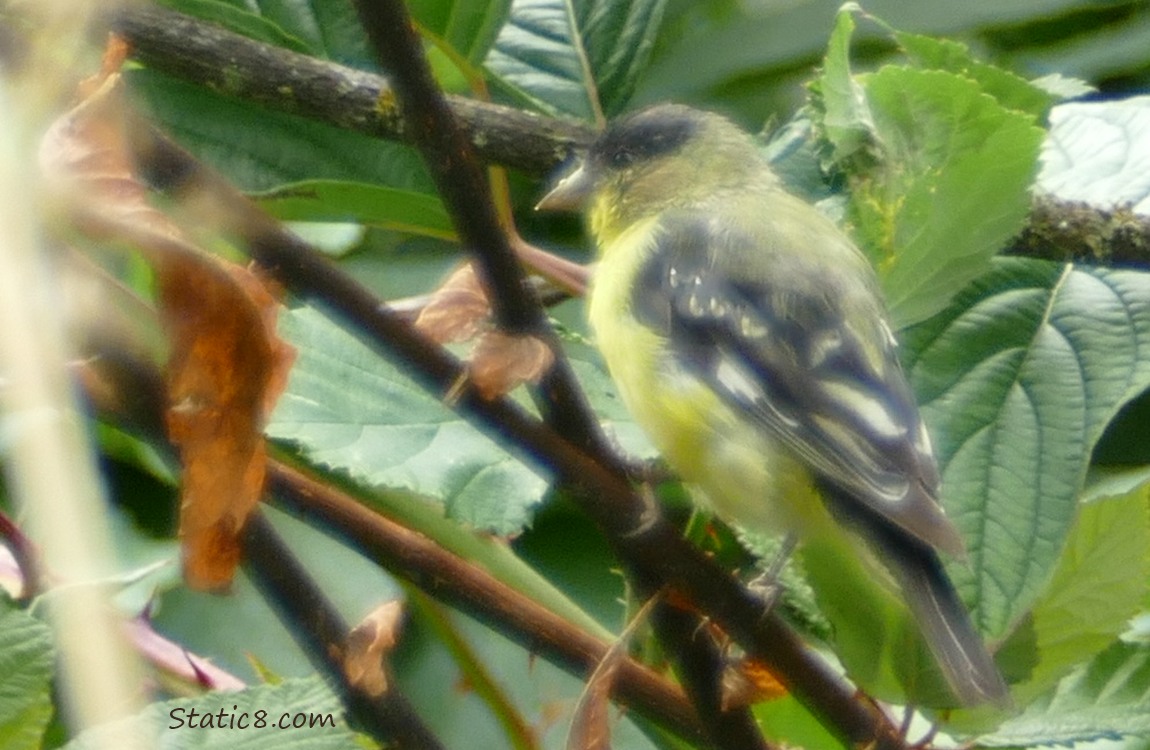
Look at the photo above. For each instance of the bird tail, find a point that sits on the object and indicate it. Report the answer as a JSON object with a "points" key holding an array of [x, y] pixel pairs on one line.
{"points": [[945, 624], [934, 603]]}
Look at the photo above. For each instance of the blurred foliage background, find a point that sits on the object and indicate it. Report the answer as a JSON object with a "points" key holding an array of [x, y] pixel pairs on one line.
{"points": [[750, 58]]}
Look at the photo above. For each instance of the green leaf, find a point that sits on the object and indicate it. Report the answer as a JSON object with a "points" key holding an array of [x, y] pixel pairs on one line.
{"points": [[1109, 481], [846, 121], [1097, 153], [940, 162], [1099, 584], [1105, 699], [469, 27], [790, 724], [1011, 91], [330, 27], [217, 719], [577, 58], [26, 667], [338, 201], [259, 149], [1017, 380], [539, 59], [324, 28], [619, 37], [951, 189], [240, 21], [349, 409]]}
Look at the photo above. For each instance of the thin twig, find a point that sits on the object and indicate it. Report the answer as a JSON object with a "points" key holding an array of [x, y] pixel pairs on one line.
{"points": [[24, 554]]}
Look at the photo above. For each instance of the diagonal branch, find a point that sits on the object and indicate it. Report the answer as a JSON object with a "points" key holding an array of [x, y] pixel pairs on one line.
{"points": [[456, 582], [465, 191], [323, 634]]}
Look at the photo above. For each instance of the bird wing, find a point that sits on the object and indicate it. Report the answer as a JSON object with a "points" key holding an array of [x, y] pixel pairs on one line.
{"points": [[824, 383]]}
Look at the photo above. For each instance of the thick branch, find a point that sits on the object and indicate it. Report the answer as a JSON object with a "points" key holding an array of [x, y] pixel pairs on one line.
{"points": [[1081, 233], [235, 65], [454, 581], [232, 64]]}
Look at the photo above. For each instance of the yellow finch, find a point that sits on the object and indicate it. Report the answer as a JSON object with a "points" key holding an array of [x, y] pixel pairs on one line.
{"points": [[749, 338]]}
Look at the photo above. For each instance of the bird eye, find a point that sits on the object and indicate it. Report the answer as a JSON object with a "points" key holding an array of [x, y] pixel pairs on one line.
{"points": [[621, 158]]}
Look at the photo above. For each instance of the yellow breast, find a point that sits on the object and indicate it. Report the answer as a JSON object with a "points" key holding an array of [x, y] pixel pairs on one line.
{"points": [[742, 473]]}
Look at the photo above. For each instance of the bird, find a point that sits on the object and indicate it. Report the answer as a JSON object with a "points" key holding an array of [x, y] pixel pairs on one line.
{"points": [[748, 336]]}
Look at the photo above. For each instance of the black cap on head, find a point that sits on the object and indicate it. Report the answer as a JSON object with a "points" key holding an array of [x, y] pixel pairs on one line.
{"points": [[652, 132]]}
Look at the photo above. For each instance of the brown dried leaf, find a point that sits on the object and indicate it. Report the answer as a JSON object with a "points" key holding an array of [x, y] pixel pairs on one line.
{"points": [[590, 725], [226, 366], [368, 646], [225, 372], [499, 363], [115, 55], [748, 682], [457, 310]]}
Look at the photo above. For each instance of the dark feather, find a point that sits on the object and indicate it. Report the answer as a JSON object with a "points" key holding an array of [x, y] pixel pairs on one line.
{"points": [[789, 359]]}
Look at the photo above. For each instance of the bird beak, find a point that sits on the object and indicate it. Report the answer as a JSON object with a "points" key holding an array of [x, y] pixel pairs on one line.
{"points": [[571, 192]]}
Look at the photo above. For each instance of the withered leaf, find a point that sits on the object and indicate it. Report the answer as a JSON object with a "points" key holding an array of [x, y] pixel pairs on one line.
{"points": [[590, 725], [226, 366], [225, 372], [458, 310], [748, 682], [499, 363], [368, 646]]}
